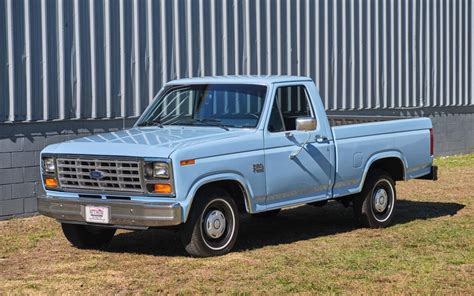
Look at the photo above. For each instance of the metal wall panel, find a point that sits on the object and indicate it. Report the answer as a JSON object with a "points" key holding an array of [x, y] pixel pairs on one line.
{"points": [[62, 59]]}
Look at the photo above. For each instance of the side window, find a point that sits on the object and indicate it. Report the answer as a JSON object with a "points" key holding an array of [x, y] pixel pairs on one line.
{"points": [[290, 103]]}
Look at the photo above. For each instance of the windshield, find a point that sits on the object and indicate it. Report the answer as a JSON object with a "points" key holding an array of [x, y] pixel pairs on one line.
{"points": [[223, 105]]}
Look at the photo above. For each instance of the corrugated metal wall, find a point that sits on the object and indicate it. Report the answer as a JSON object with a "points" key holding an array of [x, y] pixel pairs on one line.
{"points": [[63, 59]]}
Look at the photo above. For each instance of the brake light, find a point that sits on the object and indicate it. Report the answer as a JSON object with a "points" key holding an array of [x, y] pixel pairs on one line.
{"points": [[431, 142]]}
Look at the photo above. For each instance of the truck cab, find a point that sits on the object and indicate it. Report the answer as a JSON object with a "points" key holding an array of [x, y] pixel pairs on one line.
{"points": [[207, 150]]}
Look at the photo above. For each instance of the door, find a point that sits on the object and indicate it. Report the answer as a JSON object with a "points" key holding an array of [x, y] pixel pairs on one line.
{"points": [[297, 163]]}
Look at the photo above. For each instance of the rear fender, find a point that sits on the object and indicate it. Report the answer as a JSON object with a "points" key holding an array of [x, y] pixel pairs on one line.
{"points": [[379, 156]]}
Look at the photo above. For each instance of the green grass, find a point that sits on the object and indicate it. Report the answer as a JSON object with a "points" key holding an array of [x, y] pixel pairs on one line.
{"points": [[455, 161], [429, 249]]}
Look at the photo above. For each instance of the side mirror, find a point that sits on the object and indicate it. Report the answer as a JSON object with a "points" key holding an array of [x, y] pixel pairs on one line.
{"points": [[305, 124]]}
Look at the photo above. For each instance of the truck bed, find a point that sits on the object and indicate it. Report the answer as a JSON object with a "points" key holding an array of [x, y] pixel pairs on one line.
{"points": [[359, 145]]}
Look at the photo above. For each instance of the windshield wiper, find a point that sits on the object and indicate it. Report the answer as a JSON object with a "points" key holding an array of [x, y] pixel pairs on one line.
{"points": [[212, 121], [208, 121], [154, 122]]}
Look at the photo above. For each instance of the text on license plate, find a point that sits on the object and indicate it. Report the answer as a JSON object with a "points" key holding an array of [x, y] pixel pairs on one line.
{"points": [[97, 214]]}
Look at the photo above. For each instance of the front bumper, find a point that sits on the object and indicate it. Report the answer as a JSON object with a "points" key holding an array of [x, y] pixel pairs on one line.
{"points": [[123, 214]]}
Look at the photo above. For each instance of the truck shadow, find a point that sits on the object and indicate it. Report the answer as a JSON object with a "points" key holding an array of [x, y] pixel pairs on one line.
{"points": [[291, 225]]}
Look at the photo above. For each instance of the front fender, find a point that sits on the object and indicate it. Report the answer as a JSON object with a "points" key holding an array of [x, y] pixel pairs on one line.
{"points": [[228, 176]]}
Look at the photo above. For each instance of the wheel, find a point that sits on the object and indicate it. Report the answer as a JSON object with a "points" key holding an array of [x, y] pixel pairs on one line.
{"points": [[267, 214], [374, 207], [212, 225], [87, 237]]}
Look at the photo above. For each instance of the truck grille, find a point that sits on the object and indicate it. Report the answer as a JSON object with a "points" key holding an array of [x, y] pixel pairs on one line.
{"points": [[99, 174]]}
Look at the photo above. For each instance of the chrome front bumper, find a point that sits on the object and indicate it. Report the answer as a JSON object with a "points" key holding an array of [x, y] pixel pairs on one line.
{"points": [[123, 214]]}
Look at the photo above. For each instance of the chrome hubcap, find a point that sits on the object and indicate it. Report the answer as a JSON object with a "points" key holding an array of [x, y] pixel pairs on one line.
{"points": [[215, 224], [380, 200]]}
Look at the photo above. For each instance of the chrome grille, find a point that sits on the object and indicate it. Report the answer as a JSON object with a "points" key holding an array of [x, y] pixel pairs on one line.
{"points": [[116, 175]]}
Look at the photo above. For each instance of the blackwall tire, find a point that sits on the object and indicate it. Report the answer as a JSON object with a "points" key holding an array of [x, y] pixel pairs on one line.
{"points": [[87, 237], [375, 206], [213, 224]]}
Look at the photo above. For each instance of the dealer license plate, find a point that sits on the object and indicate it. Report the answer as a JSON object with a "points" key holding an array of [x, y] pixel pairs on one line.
{"points": [[97, 214]]}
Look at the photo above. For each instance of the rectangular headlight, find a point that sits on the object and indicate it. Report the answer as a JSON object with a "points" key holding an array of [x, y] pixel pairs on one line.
{"points": [[161, 170], [157, 170], [49, 165]]}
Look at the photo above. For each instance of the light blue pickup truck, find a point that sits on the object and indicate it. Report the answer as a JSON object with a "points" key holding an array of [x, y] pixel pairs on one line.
{"points": [[207, 150]]}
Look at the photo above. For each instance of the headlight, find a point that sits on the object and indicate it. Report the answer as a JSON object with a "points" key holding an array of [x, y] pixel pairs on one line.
{"points": [[49, 165], [161, 170], [157, 170]]}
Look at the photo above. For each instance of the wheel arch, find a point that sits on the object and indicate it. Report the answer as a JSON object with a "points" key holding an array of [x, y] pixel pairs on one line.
{"points": [[235, 184], [392, 162]]}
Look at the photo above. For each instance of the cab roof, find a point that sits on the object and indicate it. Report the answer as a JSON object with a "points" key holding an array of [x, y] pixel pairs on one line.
{"points": [[249, 79]]}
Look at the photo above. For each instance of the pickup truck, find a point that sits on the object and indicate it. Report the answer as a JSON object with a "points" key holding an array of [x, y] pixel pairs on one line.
{"points": [[207, 150]]}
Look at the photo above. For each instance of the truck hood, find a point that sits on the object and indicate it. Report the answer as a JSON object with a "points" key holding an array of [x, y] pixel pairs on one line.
{"points": [[144, 141]]}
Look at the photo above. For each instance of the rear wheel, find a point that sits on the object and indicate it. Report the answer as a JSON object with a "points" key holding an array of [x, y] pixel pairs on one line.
{"points": [[375, 206], [213, 224], [87, 237]]}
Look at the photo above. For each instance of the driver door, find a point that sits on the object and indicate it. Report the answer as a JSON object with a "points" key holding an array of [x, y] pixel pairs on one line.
{"points": [[295, 175]]}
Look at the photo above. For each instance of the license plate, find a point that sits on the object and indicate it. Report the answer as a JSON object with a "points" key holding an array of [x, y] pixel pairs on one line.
{"points": [[96, 214]]}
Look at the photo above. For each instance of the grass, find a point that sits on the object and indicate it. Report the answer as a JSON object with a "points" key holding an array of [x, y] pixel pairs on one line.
{"points": [[429, 249], [455, 161]]}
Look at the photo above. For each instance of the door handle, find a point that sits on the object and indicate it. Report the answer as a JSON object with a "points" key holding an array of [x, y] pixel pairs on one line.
{"points": [[320, 139]]}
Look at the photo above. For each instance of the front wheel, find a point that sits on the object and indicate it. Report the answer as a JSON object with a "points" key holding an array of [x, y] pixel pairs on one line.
{"points": [[213, 224], [374, 207], [87, 237]]}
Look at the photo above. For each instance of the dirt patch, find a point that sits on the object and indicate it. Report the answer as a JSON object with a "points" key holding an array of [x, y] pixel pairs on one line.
{"points": [[427, 250]]}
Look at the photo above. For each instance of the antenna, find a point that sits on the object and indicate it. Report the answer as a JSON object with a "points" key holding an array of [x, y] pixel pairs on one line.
{"points": [[124, 113]]}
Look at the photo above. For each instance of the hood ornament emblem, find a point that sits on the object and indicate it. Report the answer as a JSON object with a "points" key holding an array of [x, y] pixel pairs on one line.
{"points": [[97, 175]]}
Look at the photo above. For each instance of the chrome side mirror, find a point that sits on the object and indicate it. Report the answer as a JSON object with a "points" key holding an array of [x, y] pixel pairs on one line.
{"points": [[305, 124]]}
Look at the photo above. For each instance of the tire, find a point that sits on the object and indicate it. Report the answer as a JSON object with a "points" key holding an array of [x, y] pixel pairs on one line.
{"points": [[375, 206], [87, 237], [267, 214], [212, 225]]}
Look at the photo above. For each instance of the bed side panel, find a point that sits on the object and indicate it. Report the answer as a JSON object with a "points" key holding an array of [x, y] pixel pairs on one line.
{"points": [[358, 148]]}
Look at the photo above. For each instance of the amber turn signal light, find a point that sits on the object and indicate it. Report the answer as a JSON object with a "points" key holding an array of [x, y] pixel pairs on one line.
{"points": [[51, 182], [162, 188], [187, 162]]}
